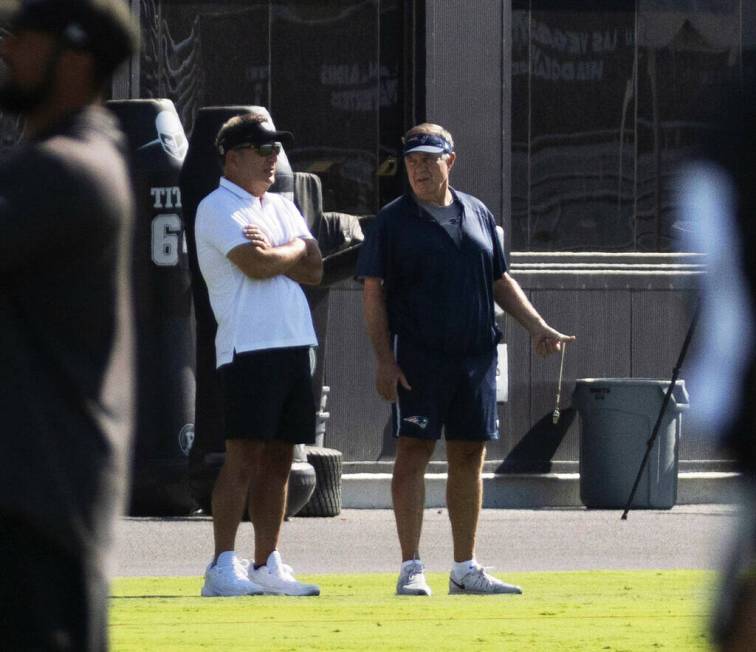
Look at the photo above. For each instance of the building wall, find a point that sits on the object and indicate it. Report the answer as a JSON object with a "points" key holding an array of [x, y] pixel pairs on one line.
{"points": [[631, 314], [589, 164], [467, 81], [570, 122]]}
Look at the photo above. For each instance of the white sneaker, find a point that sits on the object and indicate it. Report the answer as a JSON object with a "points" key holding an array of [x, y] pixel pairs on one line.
{"points": [[412, 579], [228, 577], [477, 581], [276, 578]]}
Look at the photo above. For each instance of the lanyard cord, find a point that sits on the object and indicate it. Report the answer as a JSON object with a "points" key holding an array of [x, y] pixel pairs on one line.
{"points": [[555, 414]]}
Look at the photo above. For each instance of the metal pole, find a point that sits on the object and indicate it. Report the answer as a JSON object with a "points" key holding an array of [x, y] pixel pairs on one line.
{"points": [[665, 402]]}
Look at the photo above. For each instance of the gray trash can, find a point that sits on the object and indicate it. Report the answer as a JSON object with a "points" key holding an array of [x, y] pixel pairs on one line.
{"points": [[617, 417]]}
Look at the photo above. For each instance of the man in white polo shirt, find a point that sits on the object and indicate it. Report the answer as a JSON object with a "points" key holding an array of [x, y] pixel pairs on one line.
{"points": [[254, 250]]}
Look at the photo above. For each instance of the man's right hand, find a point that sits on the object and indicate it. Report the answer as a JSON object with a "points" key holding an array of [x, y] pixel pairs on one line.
{"points": [[256, 236], [387, 376]]}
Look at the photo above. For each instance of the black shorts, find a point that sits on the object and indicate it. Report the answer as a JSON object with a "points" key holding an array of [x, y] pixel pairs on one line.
{"points": [[457, 395], [268, 395]]}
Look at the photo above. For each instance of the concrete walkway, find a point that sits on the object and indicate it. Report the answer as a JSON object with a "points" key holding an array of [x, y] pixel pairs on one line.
{"points": [[364, 540]]}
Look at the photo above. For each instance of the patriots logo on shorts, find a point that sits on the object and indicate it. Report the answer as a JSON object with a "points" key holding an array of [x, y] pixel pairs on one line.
{"points": [[420, 422]]}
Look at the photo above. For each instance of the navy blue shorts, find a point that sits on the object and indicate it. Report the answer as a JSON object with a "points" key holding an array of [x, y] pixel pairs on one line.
{"points": [[457, 395], [268, 395]]}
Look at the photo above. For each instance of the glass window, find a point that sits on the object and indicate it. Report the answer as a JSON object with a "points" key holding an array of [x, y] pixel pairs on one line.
{"points": [[326, 89], [686, 50], [327, 71], [606, 105]]}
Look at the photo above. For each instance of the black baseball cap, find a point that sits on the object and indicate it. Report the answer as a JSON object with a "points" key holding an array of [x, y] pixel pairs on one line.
{"points": [[105, 28], [249, 132]]}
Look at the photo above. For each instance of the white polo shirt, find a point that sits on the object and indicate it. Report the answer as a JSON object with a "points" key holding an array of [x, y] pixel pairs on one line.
{"points": [[252, 314]]}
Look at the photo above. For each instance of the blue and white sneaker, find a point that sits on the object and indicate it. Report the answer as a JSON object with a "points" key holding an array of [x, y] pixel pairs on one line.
{"points": [[412, 579], [476, 581]]}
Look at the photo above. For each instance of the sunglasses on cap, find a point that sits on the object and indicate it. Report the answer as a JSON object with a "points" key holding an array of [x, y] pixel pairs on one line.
{"points": [[266, 149]]}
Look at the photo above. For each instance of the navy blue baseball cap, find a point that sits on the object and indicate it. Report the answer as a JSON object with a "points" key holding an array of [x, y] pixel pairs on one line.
{"points": [[429, 143]]}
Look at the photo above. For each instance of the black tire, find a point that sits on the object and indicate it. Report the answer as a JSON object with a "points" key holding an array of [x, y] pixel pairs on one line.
{"points": [[302, 485], [326, 499]]}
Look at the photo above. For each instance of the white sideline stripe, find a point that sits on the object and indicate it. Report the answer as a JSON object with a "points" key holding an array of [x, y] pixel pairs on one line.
{"points": [[529, 490], [610, 255], [484, 476], [529, 271], [692, 475], [608, 266]]}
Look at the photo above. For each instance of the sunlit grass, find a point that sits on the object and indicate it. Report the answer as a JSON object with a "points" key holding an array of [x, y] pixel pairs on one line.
{"points": [[580, 611]]}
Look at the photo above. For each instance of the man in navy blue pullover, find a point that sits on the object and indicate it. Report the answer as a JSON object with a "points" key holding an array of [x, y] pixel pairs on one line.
{"points": [[66, 349], [432, 267]]}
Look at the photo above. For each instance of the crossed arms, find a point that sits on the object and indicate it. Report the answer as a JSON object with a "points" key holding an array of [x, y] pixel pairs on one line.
{"points": [[298, 259]]}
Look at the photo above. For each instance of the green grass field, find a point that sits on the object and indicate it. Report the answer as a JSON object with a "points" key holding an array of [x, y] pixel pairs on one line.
{"points": [[581, 611]]}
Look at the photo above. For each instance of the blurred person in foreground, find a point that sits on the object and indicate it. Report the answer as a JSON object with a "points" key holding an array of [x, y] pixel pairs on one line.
{"points": [[65, 322], [432, 267], [254, 249], [718, 207]]}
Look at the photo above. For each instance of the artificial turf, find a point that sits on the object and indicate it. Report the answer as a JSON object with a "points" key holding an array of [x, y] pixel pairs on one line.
{"points": [[581, 611]]}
